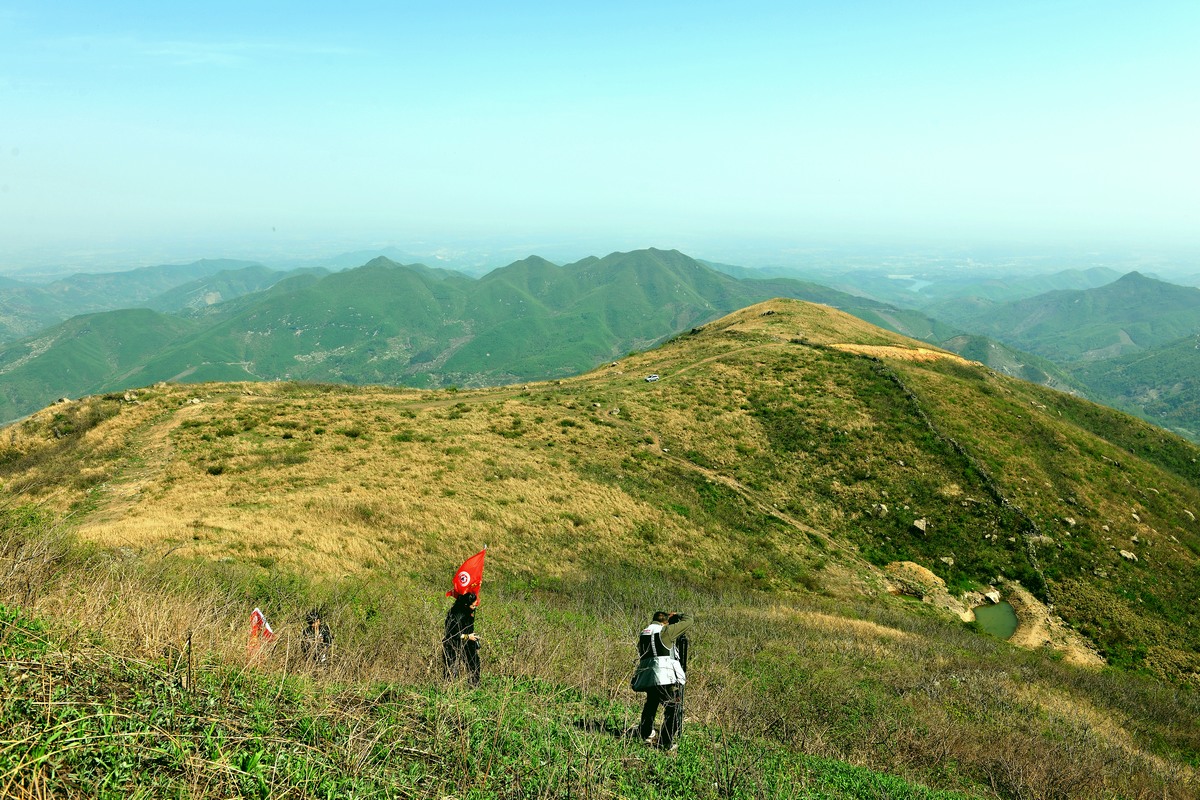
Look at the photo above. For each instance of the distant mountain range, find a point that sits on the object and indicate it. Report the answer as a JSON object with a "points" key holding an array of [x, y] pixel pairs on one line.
{"points": [[389, 323], [26, 308], [1129, 315], [210, 290], [938, 293], [1129, 343], [946, 293]]}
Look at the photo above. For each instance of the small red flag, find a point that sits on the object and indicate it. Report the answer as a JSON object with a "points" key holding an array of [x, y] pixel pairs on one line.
{"points": [[260, 629], [469, 577]]}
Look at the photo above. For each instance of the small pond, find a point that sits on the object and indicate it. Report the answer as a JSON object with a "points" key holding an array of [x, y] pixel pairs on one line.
{"points": [[998, 619]]}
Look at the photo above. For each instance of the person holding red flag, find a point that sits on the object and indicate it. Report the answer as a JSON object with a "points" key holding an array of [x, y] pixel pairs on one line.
{"points": [[460, 645]]}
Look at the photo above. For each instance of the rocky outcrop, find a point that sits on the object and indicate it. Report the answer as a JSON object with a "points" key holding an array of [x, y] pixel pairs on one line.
{"points": [[913, 580]]}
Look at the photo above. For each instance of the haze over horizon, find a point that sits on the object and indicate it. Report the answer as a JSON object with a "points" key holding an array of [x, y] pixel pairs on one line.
{"points": [[239, 131]]}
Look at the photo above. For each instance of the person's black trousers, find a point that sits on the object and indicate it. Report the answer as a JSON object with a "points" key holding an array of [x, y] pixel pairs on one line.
{"points": [[671, 699], [458, 657]]}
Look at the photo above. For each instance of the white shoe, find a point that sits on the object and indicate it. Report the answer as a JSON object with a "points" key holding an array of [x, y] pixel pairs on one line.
{"points": [[651, 739]]}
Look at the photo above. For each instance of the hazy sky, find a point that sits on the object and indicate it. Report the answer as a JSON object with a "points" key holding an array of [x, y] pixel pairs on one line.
{"points": [[227, 122]]}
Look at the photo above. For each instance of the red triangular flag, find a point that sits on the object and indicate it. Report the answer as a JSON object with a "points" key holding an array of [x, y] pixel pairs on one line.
{"points": [[469, 577], [259, 627]]}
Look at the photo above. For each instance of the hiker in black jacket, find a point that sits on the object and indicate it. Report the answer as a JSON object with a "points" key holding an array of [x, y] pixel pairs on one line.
{"points": [[460, 645]]}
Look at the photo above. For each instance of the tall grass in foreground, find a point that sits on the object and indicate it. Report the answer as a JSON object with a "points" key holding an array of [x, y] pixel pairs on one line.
{"points": [[143, 684], [111, 727]]}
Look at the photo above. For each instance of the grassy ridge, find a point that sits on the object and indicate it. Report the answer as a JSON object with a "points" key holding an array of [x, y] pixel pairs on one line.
{"points": [[763, 459]]}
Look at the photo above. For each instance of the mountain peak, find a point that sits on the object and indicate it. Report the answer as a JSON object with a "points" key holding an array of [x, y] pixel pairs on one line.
{"points": [[381, 261], [1148, 284]]}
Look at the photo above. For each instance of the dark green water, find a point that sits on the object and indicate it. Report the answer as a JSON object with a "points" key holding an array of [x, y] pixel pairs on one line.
{"points": [[998, 619]]}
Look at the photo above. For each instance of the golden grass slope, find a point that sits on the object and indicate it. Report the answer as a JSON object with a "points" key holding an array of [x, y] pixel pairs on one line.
{"points": [[336, 480]]}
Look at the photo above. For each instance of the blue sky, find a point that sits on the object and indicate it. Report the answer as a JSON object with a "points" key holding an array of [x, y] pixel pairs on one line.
{"points": [[229, 126]]}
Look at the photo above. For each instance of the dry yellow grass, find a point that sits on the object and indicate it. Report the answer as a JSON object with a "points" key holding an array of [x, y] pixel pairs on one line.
{"points": [[365, 478], [902, 353], [371, 477]]}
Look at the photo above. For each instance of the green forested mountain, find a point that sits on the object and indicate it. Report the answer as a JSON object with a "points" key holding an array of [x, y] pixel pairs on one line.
{"points": [[1161, 384], [1008, 361], [83, 355], [1131, 314], [221, 287], [128, 288], [26, 308], [412, 325]]}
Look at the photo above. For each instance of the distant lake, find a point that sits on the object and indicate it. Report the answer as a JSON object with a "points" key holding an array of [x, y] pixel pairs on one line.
{"points": [[916, 284], [998, 619]]}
